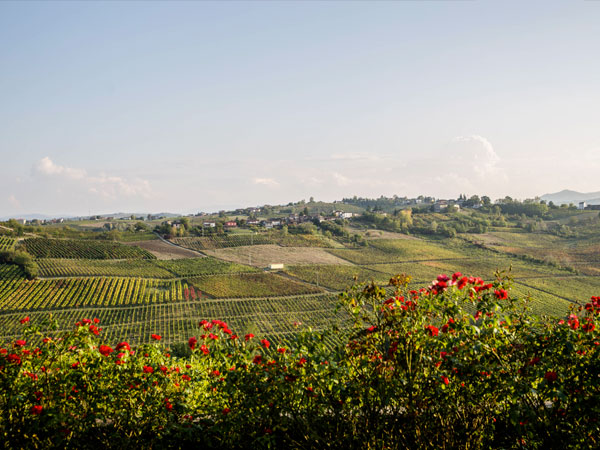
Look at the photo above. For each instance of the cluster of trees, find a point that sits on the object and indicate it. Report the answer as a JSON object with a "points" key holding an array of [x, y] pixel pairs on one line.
{"points": [[22, 259]]}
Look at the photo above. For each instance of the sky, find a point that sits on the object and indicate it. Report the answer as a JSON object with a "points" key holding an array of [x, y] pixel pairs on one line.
{"points": [[201, 106]]}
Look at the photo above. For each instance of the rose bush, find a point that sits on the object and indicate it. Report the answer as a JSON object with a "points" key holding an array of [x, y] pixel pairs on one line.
{"points": [[460, 364]]}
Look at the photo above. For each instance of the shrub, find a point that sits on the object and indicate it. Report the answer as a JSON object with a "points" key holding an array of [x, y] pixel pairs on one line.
{"points": [[458, 364], [23, 259]]}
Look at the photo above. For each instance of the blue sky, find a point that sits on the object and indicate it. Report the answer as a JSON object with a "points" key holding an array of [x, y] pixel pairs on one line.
{"points": [[187, 106]]}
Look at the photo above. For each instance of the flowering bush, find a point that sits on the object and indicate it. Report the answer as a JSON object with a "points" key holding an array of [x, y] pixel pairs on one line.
{"points": [[458, 364]]}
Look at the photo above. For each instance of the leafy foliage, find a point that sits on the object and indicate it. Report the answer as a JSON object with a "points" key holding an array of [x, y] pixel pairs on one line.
{"points": [[87, 249], [460, 364]]}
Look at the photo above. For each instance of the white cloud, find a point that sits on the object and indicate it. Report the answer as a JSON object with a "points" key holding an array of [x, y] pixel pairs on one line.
{"points": [[355, 156], [269, 182], [13, 201], [103, 185], [475, 153], [46, 166], [340, 179]]}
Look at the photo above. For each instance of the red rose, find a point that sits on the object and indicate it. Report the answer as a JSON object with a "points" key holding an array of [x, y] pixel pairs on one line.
{"points": [[433, 331], [248, 336], [156, 337], [445, 380], [24, 320], [265, 343], [36, 410], [123, 345], [148, 369], [588, 327], [573, 321], [551, 376], [105, 350], [501, 294], [192, 342]]}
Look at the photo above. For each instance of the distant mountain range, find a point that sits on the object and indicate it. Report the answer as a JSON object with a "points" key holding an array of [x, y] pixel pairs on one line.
{"points": [[567, 196], [71, 216]]}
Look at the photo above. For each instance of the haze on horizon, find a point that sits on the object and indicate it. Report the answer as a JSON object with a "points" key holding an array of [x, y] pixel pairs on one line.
{"points": [[189, 106]]}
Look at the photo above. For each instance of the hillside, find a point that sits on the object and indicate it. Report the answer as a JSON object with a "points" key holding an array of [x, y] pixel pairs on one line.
{"points": [[566, 196]]}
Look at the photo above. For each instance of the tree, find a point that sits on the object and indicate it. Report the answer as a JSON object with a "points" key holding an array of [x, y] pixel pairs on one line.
{"points": [[141, 226]]}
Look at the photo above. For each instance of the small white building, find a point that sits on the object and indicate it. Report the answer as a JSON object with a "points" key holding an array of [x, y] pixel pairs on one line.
{"points": [[582, 205]]}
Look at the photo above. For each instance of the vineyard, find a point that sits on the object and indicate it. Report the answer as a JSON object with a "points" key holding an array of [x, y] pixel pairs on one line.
{"points": [[176, 321], [17, 293], [398, 250], [85, 249], [140, 268], [201, 266], [335, 277], [239, 240], [250, 285], [6, 243]]}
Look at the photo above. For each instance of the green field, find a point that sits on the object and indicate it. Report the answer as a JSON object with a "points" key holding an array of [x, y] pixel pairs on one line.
{"points": [[202, 266], [6, 243], [396, 250], [17, 293], [250, 285], [239, 240], [87, 249], [176, 321], [141, 268], [135, 294], [335, 277], [50, 267]]}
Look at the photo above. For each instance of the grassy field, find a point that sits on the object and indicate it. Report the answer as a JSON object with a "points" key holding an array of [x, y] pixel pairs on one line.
{"points": [[263, 255], [335, 277], [250, 285], [582, 253], [396, 250]]}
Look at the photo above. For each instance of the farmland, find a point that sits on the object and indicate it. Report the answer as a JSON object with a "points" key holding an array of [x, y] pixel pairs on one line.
{"points": [[6, 243], [275, 317], [250, 285], [88, 249], [263, 255], [145, 284], [239, 240], [17, 293], [141, 268], [335, 277]]}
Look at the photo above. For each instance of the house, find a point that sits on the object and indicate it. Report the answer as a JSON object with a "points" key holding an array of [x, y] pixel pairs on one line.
{"points": [[440, 205], [231, 224], [253, 222], [209, 224], [582, 205]]}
